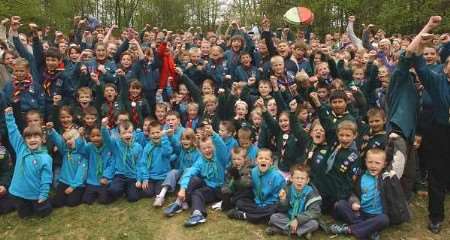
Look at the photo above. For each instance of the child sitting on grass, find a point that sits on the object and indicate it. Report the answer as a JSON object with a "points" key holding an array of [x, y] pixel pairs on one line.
{"points": [[238, 181], [188, 154], [364, 210], [300, 206], [32, 176], [267, 182], [201, 183]]}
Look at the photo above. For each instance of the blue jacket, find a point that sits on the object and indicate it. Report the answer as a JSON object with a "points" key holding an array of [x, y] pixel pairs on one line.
{"points": [[231, 143], [74, 164], [187, 158], [34, 98], [99, 163], [33, 169], [148, 74], [155, 160], [212, 171], [252, 152], [140, 138], [217, 71], [267, 186], [242, 75], [125, 158], [107, 77]]}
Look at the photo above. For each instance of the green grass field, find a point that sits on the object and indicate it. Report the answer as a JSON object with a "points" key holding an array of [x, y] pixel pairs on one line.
{"points": [[140, 220]]}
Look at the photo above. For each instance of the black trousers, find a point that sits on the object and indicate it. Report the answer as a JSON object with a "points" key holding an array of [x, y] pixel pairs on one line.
{"points": [[62, 199], [93, 193], [27, 208], [255, 213], [198, 194], [120, 185], [6, 203], [154, 188], [229, 199], [438, 177]]}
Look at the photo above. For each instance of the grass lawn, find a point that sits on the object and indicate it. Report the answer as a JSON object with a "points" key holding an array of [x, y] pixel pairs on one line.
{"points": [[123, 220]]}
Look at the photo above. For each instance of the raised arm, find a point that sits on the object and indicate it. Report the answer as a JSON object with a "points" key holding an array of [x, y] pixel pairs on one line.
{"points": [[351, 33]]}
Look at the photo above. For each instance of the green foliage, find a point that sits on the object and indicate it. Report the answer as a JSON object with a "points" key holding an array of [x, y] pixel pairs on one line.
{"points": [[394, 16]]}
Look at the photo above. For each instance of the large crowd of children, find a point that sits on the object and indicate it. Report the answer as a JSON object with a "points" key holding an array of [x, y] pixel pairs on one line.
{"points": [[270, 127]]}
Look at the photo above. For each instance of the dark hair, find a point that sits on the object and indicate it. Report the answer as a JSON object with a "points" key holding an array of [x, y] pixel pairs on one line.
{"points": [[53, 52], [90, 111], [125, 125], [338, 94]]}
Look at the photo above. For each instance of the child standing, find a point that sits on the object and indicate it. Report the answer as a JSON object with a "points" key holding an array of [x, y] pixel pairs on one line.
{"points": [[301, 204], [33, 170]]}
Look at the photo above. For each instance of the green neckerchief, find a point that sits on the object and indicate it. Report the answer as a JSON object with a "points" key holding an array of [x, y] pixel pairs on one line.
{"points": [[258, 186], [188, 155], [150, 153], [299, 200], [212, 165], [99, 161]]}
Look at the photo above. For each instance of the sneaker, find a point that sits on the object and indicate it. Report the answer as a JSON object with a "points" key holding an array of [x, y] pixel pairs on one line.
{"points": [[237, 214], [217, 206], [194, 220], [308, 236], [272, 231], [434, 227], [375, 236], [339, 229], [173, 209], [159, 201]]}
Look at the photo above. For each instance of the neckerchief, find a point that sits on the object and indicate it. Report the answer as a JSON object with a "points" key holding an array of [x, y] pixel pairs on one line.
{"points": [[49, 78], [134, 112], [110, 113], [21, 86], [150, 154], [299, 202], [332, 158], [258, 185], [99, 161]]}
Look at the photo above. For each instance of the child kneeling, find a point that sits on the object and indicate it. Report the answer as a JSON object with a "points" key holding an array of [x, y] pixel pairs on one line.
{"points": [[299, 206]]}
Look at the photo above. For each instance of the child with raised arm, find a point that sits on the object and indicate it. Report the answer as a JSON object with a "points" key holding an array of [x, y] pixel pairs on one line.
{"points": [[73, 169], [32, 176], [126, 156], [156, 160], [187, 155], [299, 205], [201, 184], [99, 162]]}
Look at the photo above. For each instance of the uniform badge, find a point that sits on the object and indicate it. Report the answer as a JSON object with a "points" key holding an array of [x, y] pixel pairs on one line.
{"points": [[323, 151], [285, 136], [133, 104]]}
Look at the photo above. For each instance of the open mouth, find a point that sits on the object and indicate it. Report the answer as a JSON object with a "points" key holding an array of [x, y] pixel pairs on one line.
{"points": [[263, 165]]}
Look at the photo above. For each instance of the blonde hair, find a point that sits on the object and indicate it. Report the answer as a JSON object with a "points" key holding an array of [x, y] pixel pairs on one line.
{"points": [[347, 125]]}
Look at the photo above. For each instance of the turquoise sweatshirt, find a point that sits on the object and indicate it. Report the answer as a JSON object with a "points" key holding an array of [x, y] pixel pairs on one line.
{"points": [[33, 169]]}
